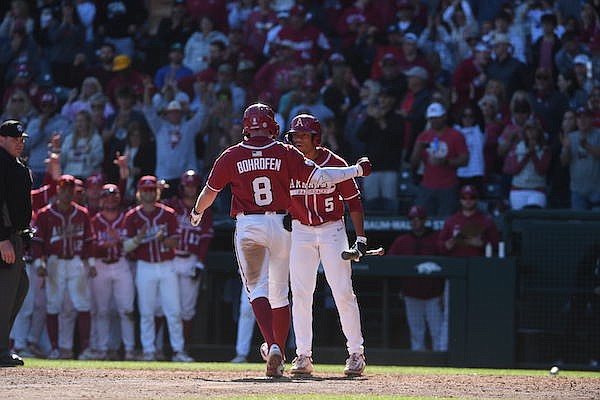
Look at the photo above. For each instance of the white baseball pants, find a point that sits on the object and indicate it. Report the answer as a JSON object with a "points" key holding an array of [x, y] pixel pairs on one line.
{"points": [[66, 276], [188, 287], [419, 312], [311, 245]]}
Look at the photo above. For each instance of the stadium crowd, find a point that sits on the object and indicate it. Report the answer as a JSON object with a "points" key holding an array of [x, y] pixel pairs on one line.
{"points": [[501, 95]]}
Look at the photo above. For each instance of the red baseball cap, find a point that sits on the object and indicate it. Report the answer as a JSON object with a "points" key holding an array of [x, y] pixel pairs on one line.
{"points": [[65, 180], [110, 189], [469, 191], [417, 212], [147, 181]]}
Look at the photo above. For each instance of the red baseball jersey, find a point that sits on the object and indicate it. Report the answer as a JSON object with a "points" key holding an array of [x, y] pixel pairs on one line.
{"points": [[192, 239], [317, 205], [259, 170], [453, 226], [107, 243], [61, 234], [151, 249]]}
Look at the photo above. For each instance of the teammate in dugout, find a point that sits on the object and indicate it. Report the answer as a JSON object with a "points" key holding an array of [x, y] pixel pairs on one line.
{"points": [[319, 235], [114, 279], [62, 250], [260, 169], [151, 231], [191, 249]]}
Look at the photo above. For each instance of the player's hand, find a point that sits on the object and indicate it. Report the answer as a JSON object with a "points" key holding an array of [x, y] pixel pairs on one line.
{"points": [[364, 166], [8, 252], [195, 217], [198, 270], [358, 249]]}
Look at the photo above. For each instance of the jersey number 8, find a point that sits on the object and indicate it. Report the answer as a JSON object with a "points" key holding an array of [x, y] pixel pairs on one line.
{"points": [[261, 186]]}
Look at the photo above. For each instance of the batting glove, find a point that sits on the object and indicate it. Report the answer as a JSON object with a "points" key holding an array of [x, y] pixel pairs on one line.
{"points": [[198, 270], [195, 217], [364, 166], [360, 246]]}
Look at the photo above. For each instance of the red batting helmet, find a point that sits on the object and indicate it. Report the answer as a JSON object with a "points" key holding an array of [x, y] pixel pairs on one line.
{"points": [[260, 116], [147, 182], [190, 178], [305, 123]]}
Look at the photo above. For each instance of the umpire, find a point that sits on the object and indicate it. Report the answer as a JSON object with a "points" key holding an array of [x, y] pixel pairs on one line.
{"points": [[15, 216]]}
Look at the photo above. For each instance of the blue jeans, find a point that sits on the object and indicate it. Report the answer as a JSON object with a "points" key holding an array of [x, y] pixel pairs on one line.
{"points": [[587, 201]]}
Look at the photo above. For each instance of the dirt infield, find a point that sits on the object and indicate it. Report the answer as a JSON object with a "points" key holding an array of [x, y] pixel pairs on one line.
{"points": [[67, 384]]}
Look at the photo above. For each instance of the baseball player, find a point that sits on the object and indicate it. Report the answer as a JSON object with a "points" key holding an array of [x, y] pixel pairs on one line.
{"points": [[259, 170], [191, 249], [115, 279], [62, 250], [319, 236], [151, 231]]}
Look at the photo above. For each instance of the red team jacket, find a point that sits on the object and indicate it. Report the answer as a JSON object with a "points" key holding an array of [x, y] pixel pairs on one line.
{"points": [[63, 235], [192, 239], [317, 205], [102, 229], [259, 170], [452, 226], [150, 248]]}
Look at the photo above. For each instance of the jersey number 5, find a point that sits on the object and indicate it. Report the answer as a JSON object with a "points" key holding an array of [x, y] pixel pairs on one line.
{"points": [[261, 186]]}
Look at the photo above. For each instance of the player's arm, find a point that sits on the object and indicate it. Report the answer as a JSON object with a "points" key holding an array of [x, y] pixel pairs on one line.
{"points": [[205, 199], [322, 175], [357, 215]]}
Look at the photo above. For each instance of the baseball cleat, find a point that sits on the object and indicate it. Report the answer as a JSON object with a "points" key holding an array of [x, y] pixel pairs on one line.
{"points": [[264, 351], [238, 359], [302, 365], [149, 356], [131, 355], [54, 354], [274, 362], [355, 365]]}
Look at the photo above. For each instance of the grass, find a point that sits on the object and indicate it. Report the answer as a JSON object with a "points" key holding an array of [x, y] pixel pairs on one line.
{"points": [[324, 368]]}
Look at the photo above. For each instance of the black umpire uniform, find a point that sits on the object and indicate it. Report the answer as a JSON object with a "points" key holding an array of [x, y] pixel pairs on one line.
{"points": [[15, 216]]}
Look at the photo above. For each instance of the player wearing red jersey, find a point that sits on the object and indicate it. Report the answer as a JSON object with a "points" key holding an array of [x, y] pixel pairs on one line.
{"points": [[191, 249], [114, 279], [319, 236], [259, 170], [62, 250], [151, 231]]}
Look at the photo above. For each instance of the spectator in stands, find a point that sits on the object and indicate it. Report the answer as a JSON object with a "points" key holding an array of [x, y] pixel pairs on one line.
{"points": [[405, 18], [470, 126], [354, 19], [19, 107], [309, 43], [413, 106], [354, 148], [505, 67], [283, 20], [558, 175], [547, 103], [119, 21], [497, 89], [197, 48], [435, 40], [340, 95], [459, 17], [19, 49], [469, 78], [469, 230], [383, 133], [41, 129], [173, 71], [176, 28], [16, 18], [528, 162], [520, 112], [258, 23], [244, 78], [98, 104], [175, 139], [568, 86], [22, 80], [442, 150], [125, 76], [103, 69], [114, 134], [565, 57], [66, 39], [422, 295], [311, 103], [140, 149], [581, 152], [493, 127], [81, 151], [391, 75], [81, 100], [218, 120], [506, 26], [225, 83], [582, 69], [546, 47]]}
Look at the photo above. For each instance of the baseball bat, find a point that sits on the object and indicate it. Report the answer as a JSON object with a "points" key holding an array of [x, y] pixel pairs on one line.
{"points": [[352, 254]]}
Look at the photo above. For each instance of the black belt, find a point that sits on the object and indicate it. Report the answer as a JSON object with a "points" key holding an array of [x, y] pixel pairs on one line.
{"points": [[264, 212], [110, 260], [65, 257], [184, 255]]}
